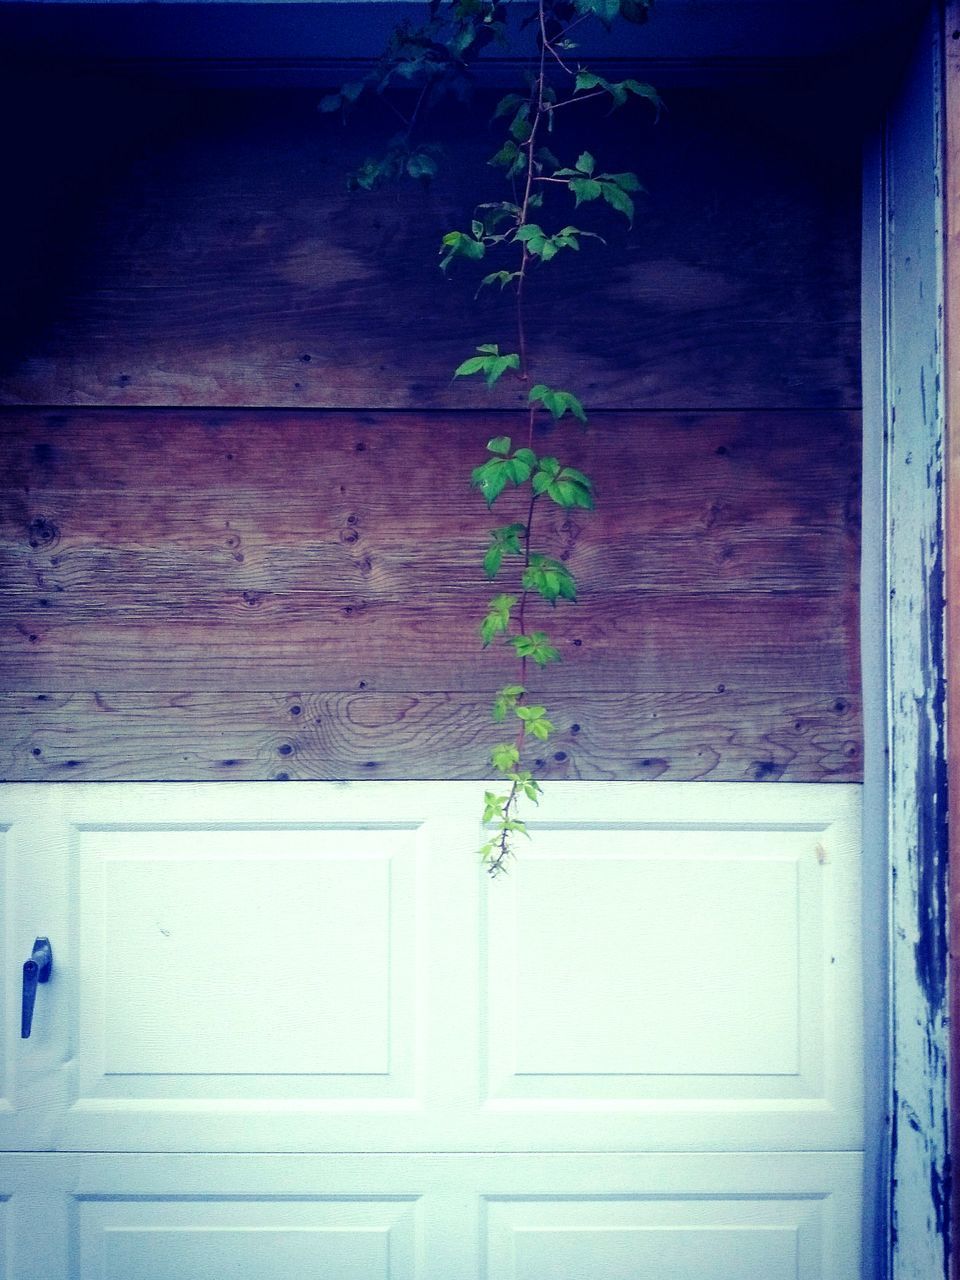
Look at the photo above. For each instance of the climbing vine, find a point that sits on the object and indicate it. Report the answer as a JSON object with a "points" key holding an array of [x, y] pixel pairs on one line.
{"points": [[514, 235]]}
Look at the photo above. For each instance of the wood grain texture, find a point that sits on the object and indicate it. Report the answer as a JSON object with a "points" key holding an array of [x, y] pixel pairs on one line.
{"points": [[195, 736], [181, 550], [94, 505], [665, 642], [221, 261]]}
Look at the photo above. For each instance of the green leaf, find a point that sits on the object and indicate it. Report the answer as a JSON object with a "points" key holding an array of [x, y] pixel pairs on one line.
{"points": [[520, 127], [619, 200], [505, 156], [497, 619], [551, 578], [545, 158], [506, 541], [504, 755], [508, 536], [492, 561], [557, 402], [491, 479], [509, 157], [642, 90], [503, 278], [619, 90], [605, 10], [506, 105], [518, 469], [625, 181], [524, 780], [499, 365], [586, 163], [515, 824], [572, 473], [506, 700], [422, 166], [536, 646], [457, 244], [567, 493], [499, 444], [585, 189], [568, 487], [489, 362], [493, 806]]}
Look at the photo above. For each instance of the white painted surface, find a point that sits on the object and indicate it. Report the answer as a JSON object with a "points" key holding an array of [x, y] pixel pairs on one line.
{"points": [[667, 968], [443, 1217]]}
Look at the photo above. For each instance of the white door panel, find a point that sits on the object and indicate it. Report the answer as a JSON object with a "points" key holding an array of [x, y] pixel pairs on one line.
{"points": [[666, 982], [454, 1217], [665, 967]]}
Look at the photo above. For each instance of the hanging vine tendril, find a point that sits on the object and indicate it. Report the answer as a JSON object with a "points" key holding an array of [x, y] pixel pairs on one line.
{"points": [[435, 60]]}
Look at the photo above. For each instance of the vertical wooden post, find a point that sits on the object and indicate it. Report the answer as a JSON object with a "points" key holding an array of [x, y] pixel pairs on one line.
{"points": [[913, 210], [951, 41]]}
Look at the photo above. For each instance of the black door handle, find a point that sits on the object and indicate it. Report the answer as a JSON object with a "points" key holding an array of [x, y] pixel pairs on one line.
{"points": [[36, 969]]}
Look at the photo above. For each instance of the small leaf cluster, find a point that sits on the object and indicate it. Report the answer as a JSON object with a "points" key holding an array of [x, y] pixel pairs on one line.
{"points": [[504, 468], [614, 188], [400, 159], [434, 57], [636, 11], [619, 90], [489, 362], [566, 486]]}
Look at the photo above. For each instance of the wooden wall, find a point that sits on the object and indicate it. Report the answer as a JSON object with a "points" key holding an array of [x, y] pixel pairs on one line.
{"points": [[235, 535]]}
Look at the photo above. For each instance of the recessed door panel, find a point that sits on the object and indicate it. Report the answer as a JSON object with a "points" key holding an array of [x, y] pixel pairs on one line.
{"points": [[695, 970], [230, 954], [246, 1239], [315, 967], [778, 1216]]}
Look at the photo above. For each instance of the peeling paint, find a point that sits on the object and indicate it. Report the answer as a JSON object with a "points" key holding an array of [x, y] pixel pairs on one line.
{"points": [[919, 1187]]}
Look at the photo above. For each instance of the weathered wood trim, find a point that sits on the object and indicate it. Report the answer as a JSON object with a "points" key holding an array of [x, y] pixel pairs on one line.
{"points": [[952, 388], [917, 834]]}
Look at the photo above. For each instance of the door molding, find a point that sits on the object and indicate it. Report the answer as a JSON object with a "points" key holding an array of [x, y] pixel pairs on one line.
{"points": [[905, 656]]}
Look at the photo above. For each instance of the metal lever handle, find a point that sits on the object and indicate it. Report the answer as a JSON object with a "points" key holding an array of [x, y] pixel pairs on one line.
{"points": [[36, 969]]}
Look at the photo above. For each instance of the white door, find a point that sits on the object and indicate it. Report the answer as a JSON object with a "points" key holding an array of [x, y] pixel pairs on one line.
{"points": [[296, 1030]]}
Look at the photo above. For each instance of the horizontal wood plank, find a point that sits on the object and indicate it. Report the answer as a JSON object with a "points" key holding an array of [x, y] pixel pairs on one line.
{"points": [[669, 642], [378, 507], [175, 549], [185, 557], [220, 260], [249, 736], [657, 472]]}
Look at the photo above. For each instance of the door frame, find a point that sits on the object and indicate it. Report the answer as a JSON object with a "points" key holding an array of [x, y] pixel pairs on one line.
{"points": [[905, 667]]}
